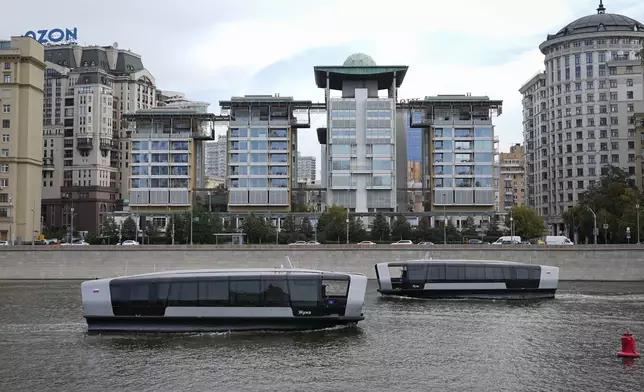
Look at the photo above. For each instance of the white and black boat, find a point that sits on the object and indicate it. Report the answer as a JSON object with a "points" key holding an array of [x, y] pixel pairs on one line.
{"points": [[476, 279], [224, 300]]}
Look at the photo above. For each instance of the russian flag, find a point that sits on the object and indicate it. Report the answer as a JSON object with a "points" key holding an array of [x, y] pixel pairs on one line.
{"points": [[95, 291]]}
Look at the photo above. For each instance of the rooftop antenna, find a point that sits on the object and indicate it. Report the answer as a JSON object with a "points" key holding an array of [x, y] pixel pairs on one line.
{"points": [[601, 9], [289, 262]]}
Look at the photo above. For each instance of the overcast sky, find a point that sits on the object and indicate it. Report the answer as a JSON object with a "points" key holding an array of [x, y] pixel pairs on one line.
{"points": [[212, 50]]}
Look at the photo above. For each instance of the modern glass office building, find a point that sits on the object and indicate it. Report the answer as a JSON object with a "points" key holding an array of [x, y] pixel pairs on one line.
{"points": [[364, 160], [166, 157], [414, 141], [262, 151], [459, 150]]}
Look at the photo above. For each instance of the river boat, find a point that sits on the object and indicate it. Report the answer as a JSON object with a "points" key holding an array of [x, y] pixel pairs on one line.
{"points": [[476, 279]]}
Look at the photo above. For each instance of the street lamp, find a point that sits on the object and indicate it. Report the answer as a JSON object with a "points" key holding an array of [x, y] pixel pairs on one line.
{"points": [[637, 207], [347, 225], [71, 234], [10, 220], [33, 220], [209, 201], [444, 220], [595, 231]]}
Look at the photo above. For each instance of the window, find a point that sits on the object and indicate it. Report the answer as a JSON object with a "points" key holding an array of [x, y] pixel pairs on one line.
{"points": [[5, 138], [213, 293], [7, 78], [274, 292], [6, 108], [245, 292], [342, 149], [4, 168], [4, 152], [305, 292], [6, 123]]}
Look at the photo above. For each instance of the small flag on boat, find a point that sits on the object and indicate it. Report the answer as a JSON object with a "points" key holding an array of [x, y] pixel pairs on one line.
{"points": [[95, 291]]}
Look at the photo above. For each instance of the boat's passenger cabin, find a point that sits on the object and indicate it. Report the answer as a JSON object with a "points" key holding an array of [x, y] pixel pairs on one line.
{"points": [[306, 295], [416, 275]]}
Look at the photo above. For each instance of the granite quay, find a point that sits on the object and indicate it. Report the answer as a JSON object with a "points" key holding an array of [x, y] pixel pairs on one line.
{"points": [[581, 262]]}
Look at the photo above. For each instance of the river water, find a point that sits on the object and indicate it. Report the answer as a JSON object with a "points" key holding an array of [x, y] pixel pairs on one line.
{"points": [[566, 344]]}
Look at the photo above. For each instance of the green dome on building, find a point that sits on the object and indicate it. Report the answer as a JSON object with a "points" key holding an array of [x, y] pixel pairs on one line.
{"points": [[359, 60]]}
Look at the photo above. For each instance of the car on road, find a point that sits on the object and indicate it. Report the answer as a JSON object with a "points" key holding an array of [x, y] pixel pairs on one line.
{"points": [[312, 243], [425, 243], [403, 242], [299, 243], [366, 243], [129, 242]]}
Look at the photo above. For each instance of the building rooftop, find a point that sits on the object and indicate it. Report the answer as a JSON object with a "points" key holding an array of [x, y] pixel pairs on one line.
{"points": [[359, 66], [599, 22], [265, 100]]}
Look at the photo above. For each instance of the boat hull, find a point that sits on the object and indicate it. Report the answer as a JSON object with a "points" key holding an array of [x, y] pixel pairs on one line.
{"points": [[213, 324], [503, 294]]}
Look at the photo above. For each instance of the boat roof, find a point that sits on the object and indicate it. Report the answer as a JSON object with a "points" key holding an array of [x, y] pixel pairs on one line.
{"points": [[453, 261], [237, 272]]}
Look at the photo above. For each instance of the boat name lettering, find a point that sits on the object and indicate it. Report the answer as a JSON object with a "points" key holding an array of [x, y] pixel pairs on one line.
{"points": [[304, 312]]}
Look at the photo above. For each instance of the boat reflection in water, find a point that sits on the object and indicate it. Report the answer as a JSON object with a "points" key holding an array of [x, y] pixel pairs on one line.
{"points": [[475, 279], [224, 300]]}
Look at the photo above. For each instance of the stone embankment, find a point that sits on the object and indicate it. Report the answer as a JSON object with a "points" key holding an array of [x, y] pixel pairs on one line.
{"points": [[581, 262]]}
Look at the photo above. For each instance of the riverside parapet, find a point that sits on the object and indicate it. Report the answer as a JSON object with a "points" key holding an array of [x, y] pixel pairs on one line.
{"points": [[580, 262]]}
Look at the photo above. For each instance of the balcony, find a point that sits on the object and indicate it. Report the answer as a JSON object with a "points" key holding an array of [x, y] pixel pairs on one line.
{"points": [[106, 144], [84, 143], [48, 164], [115, 145]]}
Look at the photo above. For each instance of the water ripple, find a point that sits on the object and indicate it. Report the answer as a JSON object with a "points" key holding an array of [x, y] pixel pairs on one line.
{"points": [[566, 344]]}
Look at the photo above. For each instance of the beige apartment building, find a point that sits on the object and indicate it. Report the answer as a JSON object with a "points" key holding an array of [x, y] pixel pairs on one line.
{"points": [[21, 96], [86, 147], [512, 177]]}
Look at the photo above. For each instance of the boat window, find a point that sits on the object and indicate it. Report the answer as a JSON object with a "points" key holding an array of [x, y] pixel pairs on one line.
{"points": [[163, 290], [188, 293], [213, 293], [454, 272], [335, 288], [275, 291], [139, 292], [494, 272], [304, 292], [522, 273], [436, 273], [417, 272], [473, 272], [245, 292], [117, 292]]}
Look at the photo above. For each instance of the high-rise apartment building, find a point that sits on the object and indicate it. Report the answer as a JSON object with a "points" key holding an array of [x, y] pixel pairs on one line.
{"points": [[21, 95], [578, 114], [459, 148], [166, 150], [262, 151], [306, 169], [216, 158], [511, 177], [86, 148], [364, 150]]}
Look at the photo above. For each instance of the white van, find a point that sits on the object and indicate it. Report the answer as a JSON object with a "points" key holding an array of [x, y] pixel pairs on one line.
{"points": [[558, 240], [508, 239]]}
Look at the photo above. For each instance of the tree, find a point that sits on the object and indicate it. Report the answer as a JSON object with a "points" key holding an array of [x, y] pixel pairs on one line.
{"points": [[332, 226], [424, 229], [306, 229], [151, 230], [288, 231], [204, 226], [257, 230], [613, 199], [380, 229], [493, 229], [527, 224], [468, 228], [453, 235], [128, 230], [401, 229], [357, 231], [110, 229]]}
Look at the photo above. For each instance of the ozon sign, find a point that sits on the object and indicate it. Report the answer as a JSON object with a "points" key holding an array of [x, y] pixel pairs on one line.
{"points": [[54, 36]]}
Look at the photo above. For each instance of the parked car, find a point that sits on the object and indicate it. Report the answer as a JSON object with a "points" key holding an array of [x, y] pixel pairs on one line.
{"points": [[299, 243], [403, 242]]}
